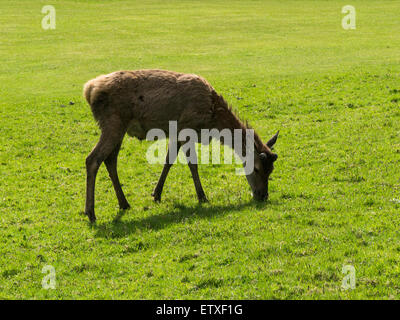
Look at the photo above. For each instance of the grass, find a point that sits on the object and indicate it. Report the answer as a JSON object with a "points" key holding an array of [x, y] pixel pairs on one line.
{"points": [[288, 65]]}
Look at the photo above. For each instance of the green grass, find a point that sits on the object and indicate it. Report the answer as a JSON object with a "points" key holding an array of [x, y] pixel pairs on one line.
{"points": [[334, 95]]}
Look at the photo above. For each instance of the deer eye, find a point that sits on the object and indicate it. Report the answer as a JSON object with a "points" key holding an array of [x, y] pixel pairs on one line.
{"points": [[256, 170]]}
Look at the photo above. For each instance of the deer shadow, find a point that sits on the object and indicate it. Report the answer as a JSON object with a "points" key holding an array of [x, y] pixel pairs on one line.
{"points": [[119, 228]]}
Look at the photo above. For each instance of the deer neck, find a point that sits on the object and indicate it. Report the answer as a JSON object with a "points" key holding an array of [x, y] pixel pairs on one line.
{"points": [[243, 137]]}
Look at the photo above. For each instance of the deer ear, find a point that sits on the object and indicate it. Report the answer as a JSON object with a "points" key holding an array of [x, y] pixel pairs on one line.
{"points": [[272, 141]]}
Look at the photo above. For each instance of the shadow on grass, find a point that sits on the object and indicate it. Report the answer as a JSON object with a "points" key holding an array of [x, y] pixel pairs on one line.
{"points": [[119, 228]]}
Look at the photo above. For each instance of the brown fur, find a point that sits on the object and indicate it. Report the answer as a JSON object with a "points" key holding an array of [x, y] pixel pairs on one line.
{"points": [[134, 102]]}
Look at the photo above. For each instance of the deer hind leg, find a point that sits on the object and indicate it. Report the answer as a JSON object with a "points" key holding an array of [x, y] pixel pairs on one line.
{"points": [[192, 163], [111, 164], [169, 160], [108, 142]]}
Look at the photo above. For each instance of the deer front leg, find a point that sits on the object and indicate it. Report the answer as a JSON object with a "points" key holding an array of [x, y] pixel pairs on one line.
{"points": [[111, 164], [172, 153], [192, 162], [197, 184]]}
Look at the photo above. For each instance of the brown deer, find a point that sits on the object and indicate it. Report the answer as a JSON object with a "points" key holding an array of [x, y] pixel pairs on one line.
{"points": [[135, 102]]}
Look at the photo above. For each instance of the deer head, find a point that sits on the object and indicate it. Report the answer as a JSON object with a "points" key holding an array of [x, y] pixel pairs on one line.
{"points": [[263, 167]]}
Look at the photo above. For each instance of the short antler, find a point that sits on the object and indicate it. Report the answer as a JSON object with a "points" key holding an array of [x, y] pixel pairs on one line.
{"points": [[272, 141]]}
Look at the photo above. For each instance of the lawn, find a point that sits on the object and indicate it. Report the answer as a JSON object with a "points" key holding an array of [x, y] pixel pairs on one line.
{"points": [[334, 95]]}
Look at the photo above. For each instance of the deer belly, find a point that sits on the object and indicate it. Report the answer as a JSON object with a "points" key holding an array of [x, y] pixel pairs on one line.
{"points": [[136, 130]]}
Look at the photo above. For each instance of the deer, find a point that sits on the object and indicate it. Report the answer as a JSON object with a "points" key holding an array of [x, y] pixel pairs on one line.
{"points": [[134, 102]]}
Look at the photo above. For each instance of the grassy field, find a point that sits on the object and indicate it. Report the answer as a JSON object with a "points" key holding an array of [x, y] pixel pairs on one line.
{"points": [[334, 95]]}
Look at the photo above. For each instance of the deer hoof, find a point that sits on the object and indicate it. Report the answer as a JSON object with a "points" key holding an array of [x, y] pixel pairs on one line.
{"points": [[203, 199], [91, 215], [156, 196], [124, 206]]}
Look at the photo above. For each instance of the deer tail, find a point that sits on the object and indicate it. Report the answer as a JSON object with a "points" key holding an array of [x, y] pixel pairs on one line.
{"points": [[96, 98], [87, 89]]}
